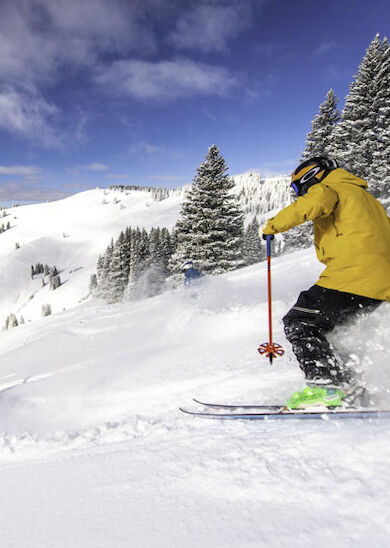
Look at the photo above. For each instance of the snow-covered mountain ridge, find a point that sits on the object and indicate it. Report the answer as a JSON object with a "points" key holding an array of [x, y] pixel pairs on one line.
{"points": [[71, 234]]}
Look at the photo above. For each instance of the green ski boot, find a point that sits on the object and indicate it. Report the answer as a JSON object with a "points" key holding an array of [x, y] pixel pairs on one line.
{"points": [[316, 397]]}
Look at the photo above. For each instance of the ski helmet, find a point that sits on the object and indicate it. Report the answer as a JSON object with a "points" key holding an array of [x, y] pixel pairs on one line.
{"points": [[311, 172], [186, 266]]}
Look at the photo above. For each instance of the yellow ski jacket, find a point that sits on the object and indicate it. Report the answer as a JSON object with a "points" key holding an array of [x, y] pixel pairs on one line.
{"points": [[351, 234]]}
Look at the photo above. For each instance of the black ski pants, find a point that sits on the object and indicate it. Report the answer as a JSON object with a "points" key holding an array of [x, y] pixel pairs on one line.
{"points": [[316, 312]]}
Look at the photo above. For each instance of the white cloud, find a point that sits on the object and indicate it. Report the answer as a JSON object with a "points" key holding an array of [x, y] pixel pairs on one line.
{"points": [[42, 42], [209, 26], [24, 191], [119, 176], [38, 38], [324, 48], [25, 112], [25, 171], [144, 148], [95, 167], [166, 80]]}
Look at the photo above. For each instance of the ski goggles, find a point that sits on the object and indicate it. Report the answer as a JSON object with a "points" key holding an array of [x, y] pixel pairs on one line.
{"points": [[295, 188]]}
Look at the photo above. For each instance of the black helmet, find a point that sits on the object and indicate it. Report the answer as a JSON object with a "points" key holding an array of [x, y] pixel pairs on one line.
{"points": [[310, 172]]}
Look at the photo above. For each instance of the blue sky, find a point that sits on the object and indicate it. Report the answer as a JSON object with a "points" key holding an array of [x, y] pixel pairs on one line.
{"points": [[100, 92]]}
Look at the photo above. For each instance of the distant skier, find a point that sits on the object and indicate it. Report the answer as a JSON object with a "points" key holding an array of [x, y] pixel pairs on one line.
{"points": [[191, 274], [352, 238]]}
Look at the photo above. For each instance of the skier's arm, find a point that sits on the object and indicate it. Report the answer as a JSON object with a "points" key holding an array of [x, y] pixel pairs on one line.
{"points": [[318, 203]]}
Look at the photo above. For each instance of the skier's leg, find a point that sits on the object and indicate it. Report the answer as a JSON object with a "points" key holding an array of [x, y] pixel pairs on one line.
{"points": [[306, 326], [316, 313]]}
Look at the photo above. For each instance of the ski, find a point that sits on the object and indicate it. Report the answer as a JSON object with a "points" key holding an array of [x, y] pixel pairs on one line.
{"points": [[285, 414], [239, 406]]}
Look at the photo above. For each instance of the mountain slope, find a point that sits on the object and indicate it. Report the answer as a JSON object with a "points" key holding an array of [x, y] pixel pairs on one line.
{"points": [[69, 234], [94, 451]]}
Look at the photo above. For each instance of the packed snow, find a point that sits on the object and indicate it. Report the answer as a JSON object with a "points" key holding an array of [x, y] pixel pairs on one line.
{"points": [[95, 453]]}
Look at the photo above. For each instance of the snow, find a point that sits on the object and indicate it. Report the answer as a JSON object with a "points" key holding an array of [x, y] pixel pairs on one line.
{"points": [[70, 234], [94, 452]]}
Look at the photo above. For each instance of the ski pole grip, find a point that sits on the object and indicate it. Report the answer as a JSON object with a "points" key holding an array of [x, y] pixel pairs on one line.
{"points": [[270, 237]]}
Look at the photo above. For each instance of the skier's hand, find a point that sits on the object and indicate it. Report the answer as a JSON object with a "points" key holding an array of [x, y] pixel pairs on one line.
{"points": [[262, 235]]}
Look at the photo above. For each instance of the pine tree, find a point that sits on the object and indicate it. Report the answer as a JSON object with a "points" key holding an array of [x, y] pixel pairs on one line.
{"points": [[92, 282], [210, 228], [13, 321], [354, 137], [166, 249], [45, 310], [116, 278], [103, 272], [253, 250], [379, 169], [55, 282], [319, 139]]}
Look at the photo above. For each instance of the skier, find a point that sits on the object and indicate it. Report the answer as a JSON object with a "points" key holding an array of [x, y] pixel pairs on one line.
{"points": [[191, 274], [352, 238]]}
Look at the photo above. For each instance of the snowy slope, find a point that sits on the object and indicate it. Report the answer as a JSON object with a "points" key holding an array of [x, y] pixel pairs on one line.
{"points": [[94, 452], [70, 234]]}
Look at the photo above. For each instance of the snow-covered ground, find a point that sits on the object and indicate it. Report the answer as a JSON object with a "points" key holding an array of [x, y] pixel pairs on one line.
{"points": [[69, 234], [94, 452]]}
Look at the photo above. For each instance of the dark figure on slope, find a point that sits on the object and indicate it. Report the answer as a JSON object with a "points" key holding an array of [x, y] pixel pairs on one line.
{"points": [[191, 274], [352, 238]]}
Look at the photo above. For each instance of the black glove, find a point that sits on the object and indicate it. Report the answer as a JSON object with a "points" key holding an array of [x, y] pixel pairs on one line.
{"points": [[265, 236]]}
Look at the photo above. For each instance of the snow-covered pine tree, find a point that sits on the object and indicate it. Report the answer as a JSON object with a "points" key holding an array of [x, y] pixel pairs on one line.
{"points": [[55, 282], [92, 282], [253, 250], [117, 277], [103, 272], [6, 324], [210, 228], [13, 321], [379, 169], [319, 139], [138, 257], [155, 245], [353, 140], [166, 249], [46, 310], [99, 268]]}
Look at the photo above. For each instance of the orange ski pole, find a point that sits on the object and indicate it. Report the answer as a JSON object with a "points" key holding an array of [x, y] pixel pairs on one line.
{"points": [[270, 349]]}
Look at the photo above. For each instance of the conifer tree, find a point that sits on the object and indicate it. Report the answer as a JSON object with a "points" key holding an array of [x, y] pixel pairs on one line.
{"points": [[45, 310], [253, 250], [379, 169], [116, 277], [13, 322], [103, 271], [166, 249], [354, 137], [319, 139], [210, 228]]}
